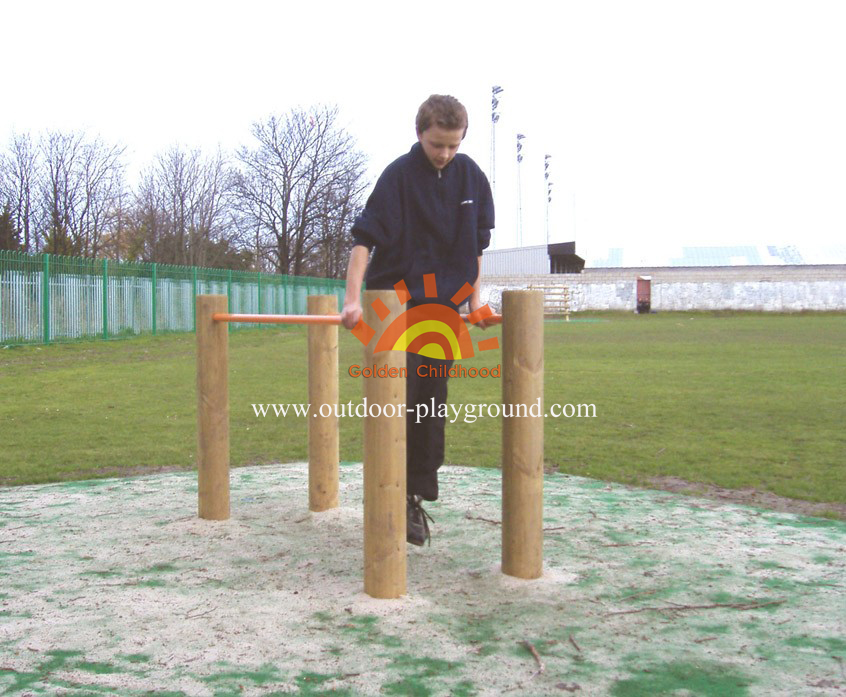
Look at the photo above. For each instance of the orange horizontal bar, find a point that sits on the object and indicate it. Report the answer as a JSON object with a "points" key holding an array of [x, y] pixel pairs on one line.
{"points": [[277, 319], [302, 319], [492, 319]]}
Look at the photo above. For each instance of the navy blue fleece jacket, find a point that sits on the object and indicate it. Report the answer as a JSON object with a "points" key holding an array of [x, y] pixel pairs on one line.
{"points": [[419, 221]]}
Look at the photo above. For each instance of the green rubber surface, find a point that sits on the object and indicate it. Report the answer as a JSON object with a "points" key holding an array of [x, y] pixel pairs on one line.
{"points": [[116, 587]]}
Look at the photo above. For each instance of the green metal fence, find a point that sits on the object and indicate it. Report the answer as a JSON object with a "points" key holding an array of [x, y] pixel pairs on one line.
{"points": [[46, 298]]}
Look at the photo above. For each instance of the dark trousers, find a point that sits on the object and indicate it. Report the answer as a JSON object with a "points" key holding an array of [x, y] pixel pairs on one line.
{"points": [[424, 440]]}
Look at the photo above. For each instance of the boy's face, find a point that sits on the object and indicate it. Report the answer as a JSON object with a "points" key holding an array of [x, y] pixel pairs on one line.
{"points": [[440, 145]]}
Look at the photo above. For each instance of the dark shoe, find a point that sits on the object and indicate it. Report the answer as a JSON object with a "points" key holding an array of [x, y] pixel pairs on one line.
{"points": [[417, 526]]}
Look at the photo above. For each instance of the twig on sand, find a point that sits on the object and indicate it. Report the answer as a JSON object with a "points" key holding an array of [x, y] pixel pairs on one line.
{"points": [[179, 520], [536, 655], [620, 544], [683, 608], [635, 595], [484, 520], [202, 614], [575, 645]]}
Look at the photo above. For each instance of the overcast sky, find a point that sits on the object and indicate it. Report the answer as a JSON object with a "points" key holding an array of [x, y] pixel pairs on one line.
{"points": [[668, 123]]}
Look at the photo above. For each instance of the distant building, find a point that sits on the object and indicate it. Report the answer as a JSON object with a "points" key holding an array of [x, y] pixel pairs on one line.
{"points": [[562, 258], [772, 278], [538, 259], [734, 255]]}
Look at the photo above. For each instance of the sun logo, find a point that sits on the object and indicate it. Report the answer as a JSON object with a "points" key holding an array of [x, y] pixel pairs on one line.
{"points": [[432, 330]]}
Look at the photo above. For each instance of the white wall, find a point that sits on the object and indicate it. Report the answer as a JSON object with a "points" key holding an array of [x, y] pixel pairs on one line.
{"points": [[766, 288]]}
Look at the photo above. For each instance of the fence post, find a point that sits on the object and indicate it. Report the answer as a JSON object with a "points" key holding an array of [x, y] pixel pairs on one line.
{"points": [[522, 436], [323, 389], [45, 298], [194, 294], [155, 308], [212, 409], [287, 309], [105, 298], [3, 257], [258, 277], [229, 297]]}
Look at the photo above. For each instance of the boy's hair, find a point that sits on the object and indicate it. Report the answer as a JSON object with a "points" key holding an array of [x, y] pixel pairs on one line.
{"points": [[444, 111]]}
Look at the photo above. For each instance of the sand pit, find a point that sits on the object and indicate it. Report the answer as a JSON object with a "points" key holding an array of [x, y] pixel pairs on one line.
{"points": [[115, 587]]}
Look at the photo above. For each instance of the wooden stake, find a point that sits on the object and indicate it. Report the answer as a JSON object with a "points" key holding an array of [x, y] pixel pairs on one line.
{"points": [[522, 436], [384, 460], [212, 409], [323, 390]]}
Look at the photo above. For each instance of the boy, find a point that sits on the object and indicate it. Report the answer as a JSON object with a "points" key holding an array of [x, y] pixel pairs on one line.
{"points": [[431, 211]]}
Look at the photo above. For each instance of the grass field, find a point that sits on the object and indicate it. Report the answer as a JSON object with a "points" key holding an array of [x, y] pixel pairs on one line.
{"points": [[734, 400]]}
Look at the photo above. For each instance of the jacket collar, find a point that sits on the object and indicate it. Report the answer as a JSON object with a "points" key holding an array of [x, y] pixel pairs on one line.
{"points": [[420, 158]]}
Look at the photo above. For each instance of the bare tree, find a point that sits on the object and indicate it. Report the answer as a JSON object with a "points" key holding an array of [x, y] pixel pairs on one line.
{"points": [[182, 213], [149, 230], [104, 185], [9, 236], [299, 188], [330, 252], [117, 241], [252, 214], [19, 174], [287, 207], [81, 182]]}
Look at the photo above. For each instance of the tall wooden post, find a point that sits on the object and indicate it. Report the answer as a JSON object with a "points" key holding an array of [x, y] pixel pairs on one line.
{"points": [[323, 390], [522, 436], [384, 456], [212, 408]]}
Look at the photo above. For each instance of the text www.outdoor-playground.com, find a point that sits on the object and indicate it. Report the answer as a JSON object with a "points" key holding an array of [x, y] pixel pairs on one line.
{"points": [[452, 412]]}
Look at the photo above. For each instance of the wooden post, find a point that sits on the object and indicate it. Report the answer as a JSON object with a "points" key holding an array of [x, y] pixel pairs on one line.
{"points": [[522, 436], [323, 390], [212, 408], [384, 458]]}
